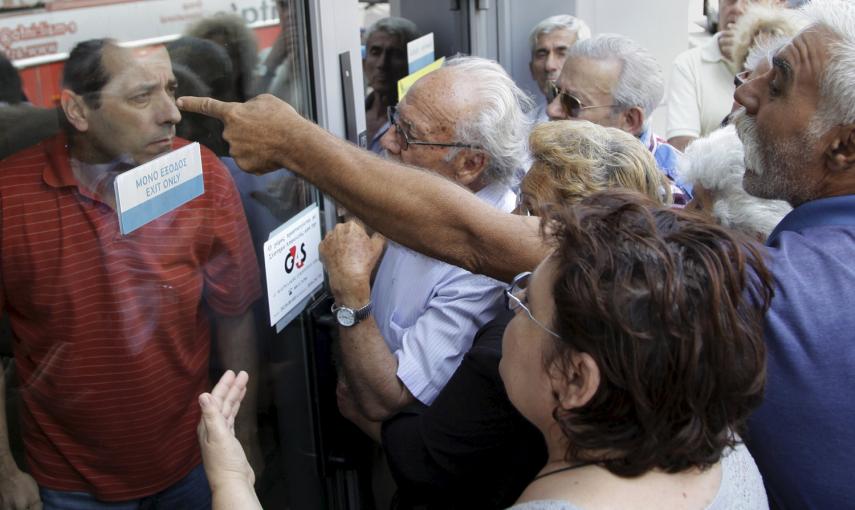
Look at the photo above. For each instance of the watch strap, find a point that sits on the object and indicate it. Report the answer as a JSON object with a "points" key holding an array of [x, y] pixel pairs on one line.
{"points": [[363, 313], [359, 315]]}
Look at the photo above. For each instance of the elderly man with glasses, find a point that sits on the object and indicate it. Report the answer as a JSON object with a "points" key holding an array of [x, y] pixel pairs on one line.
{"points": [[612, 81], [404, 336]]}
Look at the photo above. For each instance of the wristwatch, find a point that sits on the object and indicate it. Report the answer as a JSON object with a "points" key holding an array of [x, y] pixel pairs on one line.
{"points": [[348, 317]]}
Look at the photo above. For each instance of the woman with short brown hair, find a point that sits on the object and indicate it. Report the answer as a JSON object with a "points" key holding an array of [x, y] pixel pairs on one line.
{"points": [[638, 353]]}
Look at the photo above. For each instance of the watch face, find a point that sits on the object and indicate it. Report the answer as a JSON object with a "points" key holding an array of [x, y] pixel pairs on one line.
{"points": [[345, 317]]}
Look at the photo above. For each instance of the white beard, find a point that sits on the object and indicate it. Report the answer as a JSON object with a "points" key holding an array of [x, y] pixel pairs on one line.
{"points": [[775, 169], [746, 129]]}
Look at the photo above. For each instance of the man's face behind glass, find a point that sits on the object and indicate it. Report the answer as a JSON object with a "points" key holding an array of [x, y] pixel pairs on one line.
{"points": [[137, 113]]}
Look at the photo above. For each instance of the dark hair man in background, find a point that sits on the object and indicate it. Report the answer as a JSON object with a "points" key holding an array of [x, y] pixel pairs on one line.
{"points": [[95, 313], [384, 64]]}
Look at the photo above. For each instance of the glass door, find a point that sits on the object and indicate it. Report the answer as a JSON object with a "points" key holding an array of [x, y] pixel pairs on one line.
{"points": [[135, 263]]}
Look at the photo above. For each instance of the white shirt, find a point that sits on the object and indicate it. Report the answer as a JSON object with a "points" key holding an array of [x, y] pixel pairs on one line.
{"points": [[428, 311], [701, 91]]}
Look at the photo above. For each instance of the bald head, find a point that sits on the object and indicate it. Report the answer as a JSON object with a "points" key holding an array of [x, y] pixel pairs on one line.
{"points": [[475, 102], [448, 94]]}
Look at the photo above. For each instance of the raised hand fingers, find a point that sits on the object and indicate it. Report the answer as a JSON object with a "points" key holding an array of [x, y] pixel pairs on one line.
{"points": [[205, 105], [222, 388], [233, 411], [232, 400]]}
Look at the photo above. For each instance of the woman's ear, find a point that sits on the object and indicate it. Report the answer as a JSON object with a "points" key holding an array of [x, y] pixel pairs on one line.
{"points": [[576, 382]]}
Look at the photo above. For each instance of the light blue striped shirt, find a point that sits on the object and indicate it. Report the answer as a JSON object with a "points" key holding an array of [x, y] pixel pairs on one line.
{"points": [[429, 311]]}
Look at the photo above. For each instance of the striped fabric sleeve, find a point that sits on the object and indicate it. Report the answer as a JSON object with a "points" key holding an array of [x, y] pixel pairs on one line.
{"points": [[434, 346]]}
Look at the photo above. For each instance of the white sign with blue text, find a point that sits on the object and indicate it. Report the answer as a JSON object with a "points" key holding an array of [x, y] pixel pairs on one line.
{"points": [[293, 265], [151, 190], [419, 53]]}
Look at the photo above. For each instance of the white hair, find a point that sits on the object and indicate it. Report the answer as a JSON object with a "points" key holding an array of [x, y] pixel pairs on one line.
{"points": [[566, 22], [763, 51], [837, 83], [640, 83], [499, 125], [716, 162], [403, 28], [760, 22]]}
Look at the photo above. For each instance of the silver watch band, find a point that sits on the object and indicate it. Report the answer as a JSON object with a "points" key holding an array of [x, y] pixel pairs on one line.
{"points": [[349, 317]]}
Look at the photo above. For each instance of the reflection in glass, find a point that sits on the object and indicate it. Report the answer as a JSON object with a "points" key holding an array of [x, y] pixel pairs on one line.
{"points": [[114, 336]]}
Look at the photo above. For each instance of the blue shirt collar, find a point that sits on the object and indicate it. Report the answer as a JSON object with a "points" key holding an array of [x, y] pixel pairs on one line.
{"points": [[821, 212]]}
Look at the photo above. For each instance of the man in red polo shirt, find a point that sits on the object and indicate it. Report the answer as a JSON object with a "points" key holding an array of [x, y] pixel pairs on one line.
{"points": [[106, 324]]}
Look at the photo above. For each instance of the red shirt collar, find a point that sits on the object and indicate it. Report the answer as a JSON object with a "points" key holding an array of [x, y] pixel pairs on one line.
{"points": [[59, 173]]}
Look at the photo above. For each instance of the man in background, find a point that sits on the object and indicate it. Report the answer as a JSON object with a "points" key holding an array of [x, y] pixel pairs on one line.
{"points": [[701, 89], [612, 81], [384, 63], [550, 39]]}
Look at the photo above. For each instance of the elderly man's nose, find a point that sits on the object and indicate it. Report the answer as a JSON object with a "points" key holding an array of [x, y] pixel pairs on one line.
{"points": [[746, 96], [555, 111], [553, 63], [389, 140]]}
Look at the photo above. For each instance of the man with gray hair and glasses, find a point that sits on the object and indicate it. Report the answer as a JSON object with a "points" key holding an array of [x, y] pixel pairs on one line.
{"points": [[612, 81], [550, 39], [403, 337]]}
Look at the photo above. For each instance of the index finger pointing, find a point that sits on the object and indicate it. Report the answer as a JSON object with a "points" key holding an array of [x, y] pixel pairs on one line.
{"points": [[204, 105]]}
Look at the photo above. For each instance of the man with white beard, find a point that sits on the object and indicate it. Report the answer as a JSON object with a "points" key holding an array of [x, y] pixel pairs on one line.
{"points": [[798, 128], [802, 151]]}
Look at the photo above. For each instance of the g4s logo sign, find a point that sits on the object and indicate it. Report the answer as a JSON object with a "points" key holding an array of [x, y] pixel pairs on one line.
{"points": [[291, 259]]}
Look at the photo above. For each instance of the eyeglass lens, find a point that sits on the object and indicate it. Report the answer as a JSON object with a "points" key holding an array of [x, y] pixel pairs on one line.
{"points": [[571, 105]]}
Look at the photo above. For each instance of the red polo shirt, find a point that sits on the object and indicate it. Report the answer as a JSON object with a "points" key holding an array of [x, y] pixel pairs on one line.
{"points": [[111, 334]]}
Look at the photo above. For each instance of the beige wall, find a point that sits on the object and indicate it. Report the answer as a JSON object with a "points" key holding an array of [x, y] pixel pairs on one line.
{"points": [[661, 27]]}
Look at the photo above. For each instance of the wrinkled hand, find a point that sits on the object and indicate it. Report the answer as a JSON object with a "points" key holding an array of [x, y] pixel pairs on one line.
{"points": [[349, 256], [247, 435], [258, 131], [222, 455], [726, 42], [18, 491]]}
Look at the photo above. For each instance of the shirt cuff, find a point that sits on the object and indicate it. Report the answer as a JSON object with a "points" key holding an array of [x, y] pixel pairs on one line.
{"points": [[424, 387]]}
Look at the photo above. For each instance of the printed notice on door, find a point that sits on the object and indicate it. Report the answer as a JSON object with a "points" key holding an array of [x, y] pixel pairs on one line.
{"points": [[292, 265]]}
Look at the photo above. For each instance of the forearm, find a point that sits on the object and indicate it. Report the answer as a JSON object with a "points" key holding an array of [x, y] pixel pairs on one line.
{"points": [[371, 371], [417, 209], [235, 495], [237, 351]]}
